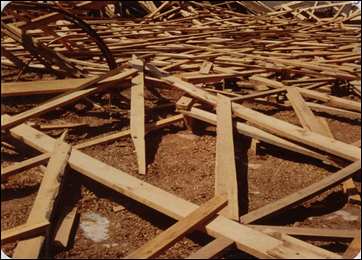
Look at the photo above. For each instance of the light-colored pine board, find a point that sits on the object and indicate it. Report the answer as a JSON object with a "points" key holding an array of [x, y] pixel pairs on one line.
{"points": [[349, 187], [63, 233], [45, 199], [274, 125], [354, 248], [171, 235], [212, 249], [251, 241], [65, 99], [302, 195], [304, 113], [137, 125], [23, 231], [310, 233], [257, 133], [226, 182], [34, 161], [206, 67]]}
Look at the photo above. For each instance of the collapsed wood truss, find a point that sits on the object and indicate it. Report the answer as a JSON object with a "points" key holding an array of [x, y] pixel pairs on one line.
{"points": [[222, 60]]}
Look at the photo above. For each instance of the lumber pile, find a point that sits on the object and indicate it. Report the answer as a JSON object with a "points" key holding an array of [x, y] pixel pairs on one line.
{"points": [[222, 60]]}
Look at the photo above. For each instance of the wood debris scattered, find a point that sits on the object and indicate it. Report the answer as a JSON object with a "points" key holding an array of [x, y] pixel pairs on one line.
{"points": [[283, 80]]}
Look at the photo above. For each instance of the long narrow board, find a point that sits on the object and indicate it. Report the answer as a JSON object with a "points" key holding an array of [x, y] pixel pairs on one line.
{"points": [[170, 236], [272, 124], [246, 239], [304, 113], [349, 187], [23, 231], [302, 195], [226, 182], [39, 159], [138, 116], [212, 249], [66, 98], [45, 199], [65, 228]]}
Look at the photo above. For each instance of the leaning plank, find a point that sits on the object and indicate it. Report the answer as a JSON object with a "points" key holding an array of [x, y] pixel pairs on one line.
{"points": [[212, 249], [32, 162], [349, 187], [354, 248], [304, 113], [302, 195], [24, 165], [311, 233], [65, 228], [170, 236], [225, 169], [251, 241], [64, 99], [24, 231], [45, 199], [258, 134], [272, 124], [138, 116]]}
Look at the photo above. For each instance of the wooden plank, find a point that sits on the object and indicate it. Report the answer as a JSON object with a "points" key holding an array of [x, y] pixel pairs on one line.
{"points": [[170, 236], [212, 249], [24, 231], [65, 99], [137, 124], [251, 241], [310, 233], [34, 161], [274, 125], [206, 67], [45, 199], [257, 134], [354, 248], [304, 113], [349, 187], [65, 228], [302, 195], [226, 182]]}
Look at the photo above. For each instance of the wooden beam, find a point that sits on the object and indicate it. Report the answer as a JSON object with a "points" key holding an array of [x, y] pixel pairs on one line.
{"points": [[302, 195], [45, 199], [258, 134], [272, 124], [226, 182], [34, 161], [310, 233], [170, 236], [212, 249], [304, 113], [64, 231], [251, 241], [137, 124], [24, 231], [354, 248], [65, 99]]}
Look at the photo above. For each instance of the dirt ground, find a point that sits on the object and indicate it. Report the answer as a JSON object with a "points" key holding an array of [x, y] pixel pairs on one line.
{"points": [[181, 163]]}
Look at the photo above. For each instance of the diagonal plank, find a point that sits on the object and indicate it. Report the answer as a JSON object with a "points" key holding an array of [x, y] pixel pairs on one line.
{"points": [[212, 249], [45, 199], [39, 159], [349, 187], [170, 236], [303, 194], [304, 113], [23, 231], [251, 241], [137, 124], [275, 125], [226, 181], [67, 98]]}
